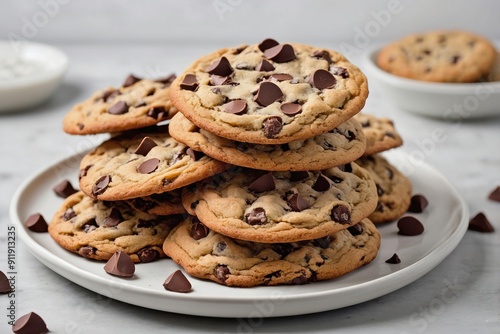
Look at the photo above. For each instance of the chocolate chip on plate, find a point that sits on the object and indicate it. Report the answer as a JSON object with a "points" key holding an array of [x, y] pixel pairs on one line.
{"points": [[322, 79], [30, 323], [495, 195], [410, 226], [220, 67], [120, 264], [281, 53], [272, 126], [36, 223], [177, 282], [394, 259], [189, 82], [101, 185], [64, 189], [131, 79], [267, 94], [148, 166], [237, 107], [145, 146], [480, 223], [263, 183], [4, 283], [418, 204], [267, 44], [119, 108]]}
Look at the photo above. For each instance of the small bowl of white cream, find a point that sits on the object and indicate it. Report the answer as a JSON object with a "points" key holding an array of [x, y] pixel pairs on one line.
{"points": [[29, 74]]}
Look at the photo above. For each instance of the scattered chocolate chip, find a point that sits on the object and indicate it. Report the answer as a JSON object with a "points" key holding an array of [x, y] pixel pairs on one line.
{"points": [[291, 109], [394, 259], [120, 264], [322, 183], [299, 176], [410, 226], [355, 229], [272, 126], [281, 53], [495, 195], [101, 185], [148, 166], [341, 214], [263, 183], [323, 242], [298, 203], [36, 223], [322, 79], [455, 59], [281, 76], [267, 94], [267, 44], [340, 71], [68, 214], [418, 204], [236, 107], [217, 80], [220, 67], [86, 251], [148, 254], [114, 218], [157, 113], [194, 155], [265, 66], [177, 282], [119, 108], [110, 94], [4, 284], [30, 323], [198, 231], [145, 146], [189, 82], [256, 217], [131, 79], [221, 272], [480, 223], [89, 226], [323, 54], [64, 189], [167, 80]]}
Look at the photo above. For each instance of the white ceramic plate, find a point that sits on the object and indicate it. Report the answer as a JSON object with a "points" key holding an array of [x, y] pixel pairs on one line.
{"points": [[445, 222]]}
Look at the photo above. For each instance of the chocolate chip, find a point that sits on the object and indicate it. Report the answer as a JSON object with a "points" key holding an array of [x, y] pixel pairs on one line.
{"points": [[64, 189], [322, 183], [221, 272], [298, 203], [323, 242], [394, 259], [265, 66], [145, 146], [157, 113], [30, 323], [410, 226], [148, 254], [455, 59], [194, 155], [341, 214], [281, 76], [355, 229], [340, 71], [267, 44], [280, 53], [114, 218], [189, 82], [237, 107], [390, 174], [272, 126], [322, 79], [110, 94], [380, 191], [120, 264], [148, 166], [177, 282], [86, 251], [68, 214], [291, 109], [89, 226], [495, 195], [256, 217], [220, 67], [418, 204], [480, 223], [101, 185], [198, 231], [239, 49], [80, 125], [299, 280], [323, 54], [4, 283], [119, 108], [221, 246], [83, 172], [267, 94], [141, 223], [217, 80], [282, 249], [345, 168], [299, 176], [131, 79], [263, 183], [167, 80], [36, 223]]}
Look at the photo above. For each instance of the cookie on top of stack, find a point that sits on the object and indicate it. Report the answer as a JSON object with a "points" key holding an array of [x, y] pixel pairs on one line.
{"points": [[293, 208]]}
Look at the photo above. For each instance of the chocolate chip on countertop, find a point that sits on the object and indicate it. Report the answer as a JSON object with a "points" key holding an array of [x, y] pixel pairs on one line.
{"points": [[237, 107], [417, 204], [281, 53], [322, 79], [131, 79], [177, 282], [410, 226], [4, 284], [119, 108], [220, 67], [341, 214], [30, 323], [263, 183], [256, 217], [64, 189], [480, 223], [101, 185], [145, 146], [394, 259], [36, 223], [267, 94], [148, 166], [189, 82], [272, 126], [495, 195], [120, 264]]}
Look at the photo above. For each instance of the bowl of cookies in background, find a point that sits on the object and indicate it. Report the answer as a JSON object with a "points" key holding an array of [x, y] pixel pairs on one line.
{"points": [[447, 74]]}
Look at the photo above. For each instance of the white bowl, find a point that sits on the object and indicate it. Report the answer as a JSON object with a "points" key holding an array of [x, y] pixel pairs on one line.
{"points": [[447, 101], [29, 74]]}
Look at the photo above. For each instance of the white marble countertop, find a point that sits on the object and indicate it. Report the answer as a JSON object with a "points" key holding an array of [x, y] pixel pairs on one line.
{"points": [[469, 157]]}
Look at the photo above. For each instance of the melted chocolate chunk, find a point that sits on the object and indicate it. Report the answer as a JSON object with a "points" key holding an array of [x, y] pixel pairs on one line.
{"points": [[410, 226], [64, 189], [30, 323], [298, 203], [148, 166], [265, 66], [221, 272], [177, 282], [198, 231], [291, 109], [157, 113], [394, 259], [120, 264], [272, 126], [89, 226], [68, 214], [323, 242], [299, 176], [480, 223], [346, 168], [323, 54], [322, 79], [220, 67], [131, 79], [37, 223], [189, 82], [267, 44], [341, 214], [322, 183], [237, 107], [281, 53], [340, 71], [217, 80], [256, 217], [418, 204], [101, 185], [267, 94], [355, 229], [263, 183], [148, 254], [283, 249], [299, 280], [119, 108], [114, 218], [86, 251], [145, 146]]}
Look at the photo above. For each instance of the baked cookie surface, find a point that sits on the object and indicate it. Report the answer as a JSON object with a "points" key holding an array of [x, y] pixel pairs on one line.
{"points": [[380, 133], [336, 147], [439, 56], [136, 104], [206, 254], [97, 229], [271, 207], [270, 93], [164, 204]]}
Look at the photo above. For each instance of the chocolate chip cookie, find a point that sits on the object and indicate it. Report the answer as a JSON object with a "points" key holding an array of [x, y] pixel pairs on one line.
{"points": [[205, 254], [380, 133], [439, 56], [336, 147], [136, 104], [97, 229], [270, 93], [393, 188], [164, 204], [268, 207], [142, 163]]}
